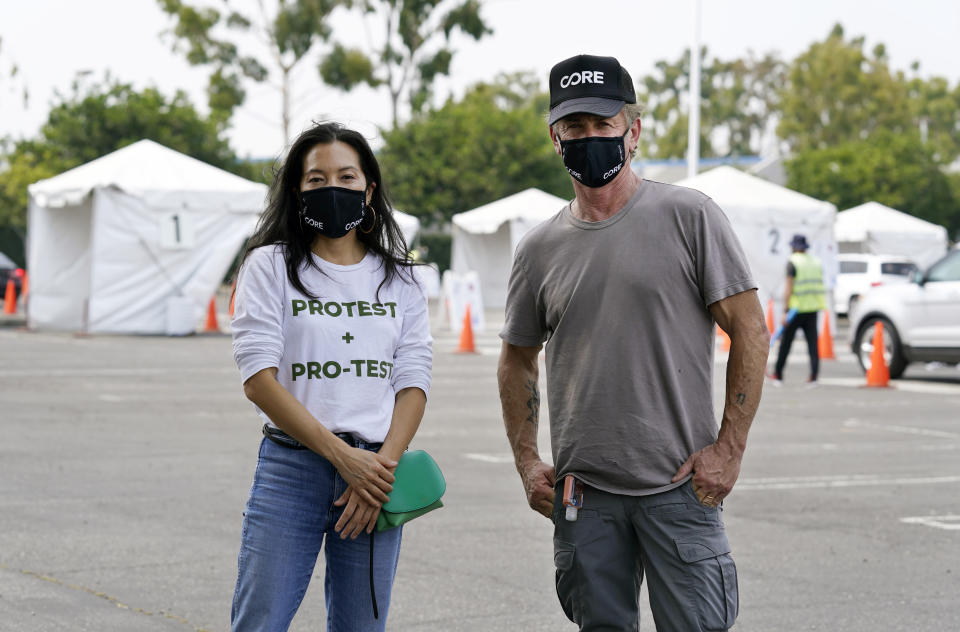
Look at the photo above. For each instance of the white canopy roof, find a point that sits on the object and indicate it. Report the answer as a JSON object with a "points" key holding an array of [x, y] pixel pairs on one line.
{"points": [[531, 206], [731, 187], [855, 223], [409, 225], [879, 229], [136, 241], [151, 171], [485, 238]]}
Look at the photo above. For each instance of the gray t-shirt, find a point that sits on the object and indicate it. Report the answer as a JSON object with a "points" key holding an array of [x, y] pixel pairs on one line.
{"points": [[622, 306]]}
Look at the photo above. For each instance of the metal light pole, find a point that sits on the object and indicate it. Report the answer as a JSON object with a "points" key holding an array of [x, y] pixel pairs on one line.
{"points": [[693, 131]]}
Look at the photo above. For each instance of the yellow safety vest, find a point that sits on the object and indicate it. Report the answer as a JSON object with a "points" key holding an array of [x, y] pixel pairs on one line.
{"points": [[808, 292]]}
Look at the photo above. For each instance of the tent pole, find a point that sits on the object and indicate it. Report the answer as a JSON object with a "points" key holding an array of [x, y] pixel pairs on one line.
{"points": [[85, 318]]}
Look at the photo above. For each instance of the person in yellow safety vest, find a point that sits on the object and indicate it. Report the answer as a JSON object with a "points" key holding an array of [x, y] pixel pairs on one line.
{"points": [[804, 293]]}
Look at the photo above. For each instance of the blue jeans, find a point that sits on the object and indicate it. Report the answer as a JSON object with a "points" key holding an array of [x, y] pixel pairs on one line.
{"points": [[289, 512]]}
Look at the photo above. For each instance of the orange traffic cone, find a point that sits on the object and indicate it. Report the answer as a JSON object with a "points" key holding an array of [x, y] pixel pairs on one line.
{"points": [[878, 374], [10, 299], [233, 297], [825, 340], [771, 323], [212, 317], [466, 335], [25, 286], [724, 339]]}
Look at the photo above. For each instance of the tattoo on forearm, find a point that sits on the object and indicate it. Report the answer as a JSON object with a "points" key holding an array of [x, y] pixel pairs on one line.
{"points": [[740, 398], [533, 403]]}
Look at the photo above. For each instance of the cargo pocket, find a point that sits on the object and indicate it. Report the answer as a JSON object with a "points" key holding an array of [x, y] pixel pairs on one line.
{"points": [[713, 577], [567, 585]]}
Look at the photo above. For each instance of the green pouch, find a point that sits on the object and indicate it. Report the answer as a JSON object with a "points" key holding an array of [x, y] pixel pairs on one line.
{"points": [[417, 490]]}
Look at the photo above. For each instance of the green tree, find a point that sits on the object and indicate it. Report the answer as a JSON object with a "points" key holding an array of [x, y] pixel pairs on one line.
{"points": [[97, 120], [22, 164], [935, 108], [859, 131], [835, 93], [953, 179], [492, 143], [737, 100], [896, 169], [291, 31], [416, 48], [88, 124]]}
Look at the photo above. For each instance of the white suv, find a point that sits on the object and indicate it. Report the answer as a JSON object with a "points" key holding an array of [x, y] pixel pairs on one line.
{"points": [[921, 319], [859, 273]]}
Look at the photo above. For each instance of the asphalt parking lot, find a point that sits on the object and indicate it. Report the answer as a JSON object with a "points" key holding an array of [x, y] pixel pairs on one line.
{"points": [[126, 462]]}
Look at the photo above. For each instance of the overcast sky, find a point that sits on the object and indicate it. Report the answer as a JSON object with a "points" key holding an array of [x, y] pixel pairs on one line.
{"points": [[52, 40]]}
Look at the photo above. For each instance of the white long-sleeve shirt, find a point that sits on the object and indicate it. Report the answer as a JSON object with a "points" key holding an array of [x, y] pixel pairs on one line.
{"points": [[343, 355]]}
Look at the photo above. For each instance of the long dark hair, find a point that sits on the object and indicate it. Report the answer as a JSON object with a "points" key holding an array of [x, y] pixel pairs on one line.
{"points": [[280, 222]]}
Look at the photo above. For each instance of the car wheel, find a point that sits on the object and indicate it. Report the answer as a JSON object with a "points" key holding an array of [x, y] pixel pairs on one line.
{"points": [[892, 349]]}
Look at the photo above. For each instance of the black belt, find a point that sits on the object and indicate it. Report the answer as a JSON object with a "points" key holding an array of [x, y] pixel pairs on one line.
{"points": [[281, 438]]}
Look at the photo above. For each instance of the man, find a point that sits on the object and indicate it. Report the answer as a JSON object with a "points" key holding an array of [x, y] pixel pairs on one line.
{"points": [[625, 285], [805, 294]]}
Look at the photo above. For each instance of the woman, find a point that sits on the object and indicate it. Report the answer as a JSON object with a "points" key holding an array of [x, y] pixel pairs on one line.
{"points": [[333, 344]]}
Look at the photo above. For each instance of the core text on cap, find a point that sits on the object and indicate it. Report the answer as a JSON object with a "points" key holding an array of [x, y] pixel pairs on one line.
{"points": [[584, 76]]}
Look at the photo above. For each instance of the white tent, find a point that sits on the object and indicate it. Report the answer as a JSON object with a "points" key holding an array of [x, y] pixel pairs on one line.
{"points": [[117, 243], [765, 216], [485, 238], [409, 226], [879, 229]]}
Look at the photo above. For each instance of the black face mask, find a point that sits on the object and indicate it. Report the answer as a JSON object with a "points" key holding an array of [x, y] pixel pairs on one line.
{"points": [[594, 161], [332, 211]]}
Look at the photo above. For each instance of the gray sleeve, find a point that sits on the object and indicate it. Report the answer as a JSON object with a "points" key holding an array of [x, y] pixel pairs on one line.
{"points": [[722, 267], [524, 324]]}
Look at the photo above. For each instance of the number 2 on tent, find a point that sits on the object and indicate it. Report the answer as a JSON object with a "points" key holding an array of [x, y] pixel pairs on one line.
{"points": [[775, 238]]}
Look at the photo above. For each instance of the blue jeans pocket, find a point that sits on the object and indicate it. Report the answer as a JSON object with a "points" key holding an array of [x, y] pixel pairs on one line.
{"points": [[713, 576]]}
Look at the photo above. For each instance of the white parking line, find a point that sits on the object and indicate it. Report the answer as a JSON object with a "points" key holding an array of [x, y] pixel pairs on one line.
{"points": [[490, 458], [931, 388], [856, 423], [788, 482], [110, 372], [833, 482], [949, 523]]}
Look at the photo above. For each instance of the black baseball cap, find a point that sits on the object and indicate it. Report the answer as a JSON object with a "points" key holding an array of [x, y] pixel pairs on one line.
{"points": [[591, 84]]}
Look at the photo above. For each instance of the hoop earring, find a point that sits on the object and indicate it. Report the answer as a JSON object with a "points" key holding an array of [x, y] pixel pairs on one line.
{"points": [[373, 224]]}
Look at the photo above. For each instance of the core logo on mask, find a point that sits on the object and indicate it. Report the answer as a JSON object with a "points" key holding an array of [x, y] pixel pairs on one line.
{"points": [[615, 170], [594, 160], [584, 76], [327, 209], [612, 172]]}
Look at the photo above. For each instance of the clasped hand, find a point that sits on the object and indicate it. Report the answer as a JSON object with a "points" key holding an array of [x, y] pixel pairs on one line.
{"points": [[369, 478]]}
